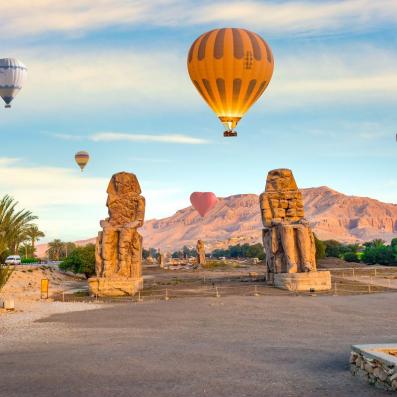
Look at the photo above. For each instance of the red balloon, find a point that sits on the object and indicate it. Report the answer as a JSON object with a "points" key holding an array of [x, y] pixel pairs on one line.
{"points": [[203, 201]]}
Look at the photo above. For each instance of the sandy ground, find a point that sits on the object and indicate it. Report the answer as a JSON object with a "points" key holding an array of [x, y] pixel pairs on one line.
{"points": [[234, 346]]}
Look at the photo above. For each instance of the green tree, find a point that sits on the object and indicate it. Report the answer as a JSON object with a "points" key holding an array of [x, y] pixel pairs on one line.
{"points": [[320, 248], [81, 260], [55, 249], [14, 224], [34, 234], [256, 251], [350, 257]]}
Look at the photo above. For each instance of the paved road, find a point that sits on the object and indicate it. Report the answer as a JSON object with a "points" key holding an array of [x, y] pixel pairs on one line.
{"points": [[235, 346]]}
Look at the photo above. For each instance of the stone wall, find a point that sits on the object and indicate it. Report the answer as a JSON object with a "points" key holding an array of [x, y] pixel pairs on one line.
{"points": [[373, 368]]}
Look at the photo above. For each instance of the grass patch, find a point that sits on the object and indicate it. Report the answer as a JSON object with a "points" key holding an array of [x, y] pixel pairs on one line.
{"points": [[215, 264]]}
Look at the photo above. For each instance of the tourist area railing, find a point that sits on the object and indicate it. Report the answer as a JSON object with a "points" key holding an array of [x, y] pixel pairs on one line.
{"points": [[347, 281]]}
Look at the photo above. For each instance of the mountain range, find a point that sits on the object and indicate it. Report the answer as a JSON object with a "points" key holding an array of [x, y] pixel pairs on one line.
{"points": [[236, 219]]}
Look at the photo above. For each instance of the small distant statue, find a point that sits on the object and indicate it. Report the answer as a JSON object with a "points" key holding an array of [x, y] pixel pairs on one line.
{"points": [[119, 245], [200, 247], [160, 259], [287, 237]]}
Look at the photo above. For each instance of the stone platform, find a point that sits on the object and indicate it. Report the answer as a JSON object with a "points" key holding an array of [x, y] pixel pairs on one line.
{"points": [[376, 363], [304, 282], [114, 286]]}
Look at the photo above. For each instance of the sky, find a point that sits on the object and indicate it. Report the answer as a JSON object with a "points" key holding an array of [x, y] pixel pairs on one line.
{"points": [[110, 77]]}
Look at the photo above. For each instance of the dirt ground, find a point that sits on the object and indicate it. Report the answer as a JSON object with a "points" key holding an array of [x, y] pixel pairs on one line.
{"points": [[232, 346]]}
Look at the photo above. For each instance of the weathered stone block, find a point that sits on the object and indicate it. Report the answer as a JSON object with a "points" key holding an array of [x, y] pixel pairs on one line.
{"points": [[309, 281], [114, 286]]}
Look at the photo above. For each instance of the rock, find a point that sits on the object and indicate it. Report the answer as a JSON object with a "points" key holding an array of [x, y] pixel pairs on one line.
{"points": [[394, 384], [368, 367], [8, 304], [119, 245], [380, 373], [353, 357], [200, 247]]}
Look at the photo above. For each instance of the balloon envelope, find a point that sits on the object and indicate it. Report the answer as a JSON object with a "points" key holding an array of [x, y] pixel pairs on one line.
{"points": [[230, 68], [82, 159], [13, 74], [203, 202]]}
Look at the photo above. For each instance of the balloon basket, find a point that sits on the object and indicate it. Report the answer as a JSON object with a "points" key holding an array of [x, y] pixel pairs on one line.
{"points": [[230, 133], [7, 106]]}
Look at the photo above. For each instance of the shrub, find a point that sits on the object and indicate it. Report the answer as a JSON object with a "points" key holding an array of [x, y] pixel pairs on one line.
{"points": [[320, 248], [81, 260], [350, 257], [30, 260]]}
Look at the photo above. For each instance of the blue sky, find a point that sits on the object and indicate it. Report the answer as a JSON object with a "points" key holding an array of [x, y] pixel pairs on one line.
{"points": [[109, 76]]}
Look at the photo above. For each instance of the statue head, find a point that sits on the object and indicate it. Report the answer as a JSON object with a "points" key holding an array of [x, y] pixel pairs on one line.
{"points": [[122, 183], [279, 180]]}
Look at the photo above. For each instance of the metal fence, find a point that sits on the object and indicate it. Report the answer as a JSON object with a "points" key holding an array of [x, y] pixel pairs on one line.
{"points": [[344, 282]]}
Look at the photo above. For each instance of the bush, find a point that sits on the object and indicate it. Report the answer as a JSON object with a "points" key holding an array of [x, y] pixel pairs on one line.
{"points": [[81, 260], [320, 248], [30, 260], [350, 257]]}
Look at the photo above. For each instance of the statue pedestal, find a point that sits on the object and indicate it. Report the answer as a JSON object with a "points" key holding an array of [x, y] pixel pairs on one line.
{"points": [[304, 282], [112, 286]]}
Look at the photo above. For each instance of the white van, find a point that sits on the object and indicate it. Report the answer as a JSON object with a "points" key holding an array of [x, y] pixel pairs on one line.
{"points": [[13, 260]]}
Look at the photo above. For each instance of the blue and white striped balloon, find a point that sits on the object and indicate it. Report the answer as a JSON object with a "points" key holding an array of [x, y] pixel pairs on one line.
{"points": [[12, 76]]}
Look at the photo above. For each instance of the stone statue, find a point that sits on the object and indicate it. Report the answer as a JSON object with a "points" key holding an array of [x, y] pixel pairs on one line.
{"points": [[287, 237], [200, 247], [160, 259], [119, 245]]}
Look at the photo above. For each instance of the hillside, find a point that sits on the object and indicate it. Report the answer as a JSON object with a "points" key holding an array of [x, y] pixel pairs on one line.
{"points": [[236, 219]]}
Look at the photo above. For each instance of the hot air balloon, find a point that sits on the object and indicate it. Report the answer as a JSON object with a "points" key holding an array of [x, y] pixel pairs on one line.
{"points": [[203, 202], [231, 69], [82, 159], [12, 76]]}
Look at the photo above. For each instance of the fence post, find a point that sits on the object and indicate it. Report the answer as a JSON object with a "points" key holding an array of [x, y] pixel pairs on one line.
{"points": [[166, 295], [353, 273], [63, 296], [217, 293], [256, 291], [369, 288], [335, 293], [375, 272]]}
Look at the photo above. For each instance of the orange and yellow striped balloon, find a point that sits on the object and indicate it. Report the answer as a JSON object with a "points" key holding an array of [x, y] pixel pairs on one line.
{"points": [[231, 69], [82, 159]]}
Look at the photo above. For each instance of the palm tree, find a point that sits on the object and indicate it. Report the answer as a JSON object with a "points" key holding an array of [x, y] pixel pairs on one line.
{"points": [[55, 249], [13, 225], [34, 234]]}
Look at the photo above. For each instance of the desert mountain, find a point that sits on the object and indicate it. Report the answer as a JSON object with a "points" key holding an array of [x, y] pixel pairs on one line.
{"points": [[236, 219]]}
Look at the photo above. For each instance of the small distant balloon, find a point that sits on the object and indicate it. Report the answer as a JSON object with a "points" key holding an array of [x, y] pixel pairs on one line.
{"points": [[13, 74], [203, 202], [82, 158]]}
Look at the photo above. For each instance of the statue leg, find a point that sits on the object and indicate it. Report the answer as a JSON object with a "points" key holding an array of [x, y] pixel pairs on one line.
{"points": [[307, 248], [109, 251], [124, 268], [98, 256], [136, 254], [287, 235]]}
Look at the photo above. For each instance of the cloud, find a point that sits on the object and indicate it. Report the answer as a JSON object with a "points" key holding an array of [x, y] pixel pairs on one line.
{"points": [[171, 138], [92, 79], [68, 137], [69, 203], [307, 17]]}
